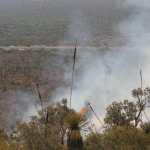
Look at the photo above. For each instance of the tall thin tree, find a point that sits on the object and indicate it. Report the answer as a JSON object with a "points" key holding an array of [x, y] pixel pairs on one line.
{"points": [[73, 70]]}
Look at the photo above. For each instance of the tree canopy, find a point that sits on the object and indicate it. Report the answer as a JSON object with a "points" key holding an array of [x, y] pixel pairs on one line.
{"points": [[57, 127]]}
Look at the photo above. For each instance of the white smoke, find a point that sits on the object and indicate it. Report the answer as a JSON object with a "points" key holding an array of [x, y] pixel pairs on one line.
{"points": [[107, 74]]}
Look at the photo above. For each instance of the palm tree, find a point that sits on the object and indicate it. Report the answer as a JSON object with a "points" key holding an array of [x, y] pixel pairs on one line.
{"points": [[74, 138]]}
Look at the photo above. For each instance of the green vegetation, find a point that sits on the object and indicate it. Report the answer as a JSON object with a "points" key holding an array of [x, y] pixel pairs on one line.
{"points": [[119, 138], [74, 140], [59, 128]]}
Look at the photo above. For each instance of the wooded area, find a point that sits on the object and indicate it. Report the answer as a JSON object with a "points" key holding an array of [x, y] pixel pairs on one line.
{"points": [[58, 127]]}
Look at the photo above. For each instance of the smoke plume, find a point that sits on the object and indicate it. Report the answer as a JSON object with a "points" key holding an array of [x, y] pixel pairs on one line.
{"points": [[119, 30], [110, 73]]}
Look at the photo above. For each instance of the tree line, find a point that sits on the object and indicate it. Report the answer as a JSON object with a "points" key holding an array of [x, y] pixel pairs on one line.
{"points": [[57, 127]]}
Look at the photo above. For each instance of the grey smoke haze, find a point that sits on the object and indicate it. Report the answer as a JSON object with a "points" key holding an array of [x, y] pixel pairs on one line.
{"points": [[102, 74], [110, 73], [17, 108]]}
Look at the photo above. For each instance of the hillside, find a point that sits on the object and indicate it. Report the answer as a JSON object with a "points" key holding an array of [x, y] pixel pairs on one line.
{"points": [[54, 22], [19, 72]]}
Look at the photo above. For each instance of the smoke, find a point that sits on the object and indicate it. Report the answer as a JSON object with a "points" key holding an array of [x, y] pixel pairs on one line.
{"points": [[16, 105], [27, 104], [109, 73]]}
